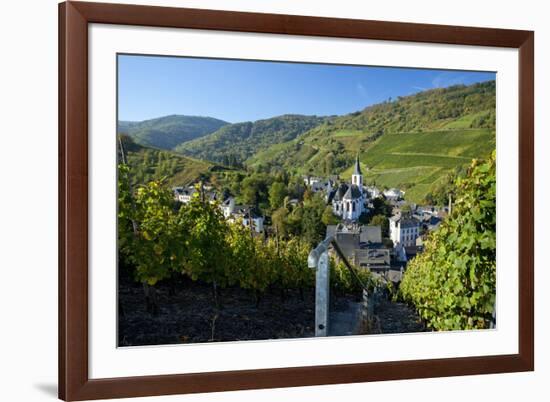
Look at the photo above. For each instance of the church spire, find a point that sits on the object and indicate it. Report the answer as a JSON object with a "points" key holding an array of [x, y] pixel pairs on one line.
{"points": [[357, 168]]}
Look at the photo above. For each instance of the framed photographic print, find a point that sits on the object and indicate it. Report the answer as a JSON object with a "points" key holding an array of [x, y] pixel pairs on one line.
{"points": [[260, 200]]}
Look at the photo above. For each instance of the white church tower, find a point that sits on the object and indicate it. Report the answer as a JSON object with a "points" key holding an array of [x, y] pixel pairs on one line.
{"points": [[349, 201], [357, 176]]}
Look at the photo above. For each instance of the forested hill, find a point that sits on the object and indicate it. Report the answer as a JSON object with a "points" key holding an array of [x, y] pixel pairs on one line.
{"points": [[238, 142], [148, 164], [411, 142], [473, 106], [169, 131]]}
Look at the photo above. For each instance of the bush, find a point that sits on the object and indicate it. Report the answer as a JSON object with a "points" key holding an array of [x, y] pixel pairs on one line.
{"points": [[453, 282], [343, 282]]}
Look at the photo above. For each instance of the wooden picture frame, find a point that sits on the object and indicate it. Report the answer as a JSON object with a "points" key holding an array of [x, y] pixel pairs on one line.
{"points": [[74, 381]]}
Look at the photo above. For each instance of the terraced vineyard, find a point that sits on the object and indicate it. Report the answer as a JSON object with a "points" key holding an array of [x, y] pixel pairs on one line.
{"points": [[416, 161], [412, 143]]}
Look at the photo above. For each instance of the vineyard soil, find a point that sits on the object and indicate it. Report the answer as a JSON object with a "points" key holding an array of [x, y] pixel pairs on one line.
{"points": [[187, 314]]}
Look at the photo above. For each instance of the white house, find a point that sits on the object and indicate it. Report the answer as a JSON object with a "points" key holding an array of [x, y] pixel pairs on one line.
{"points": [[248, 217], [311, 180], [393, 194], [404, 231], [373, 191], [257, 223], [228, 207], [349, 200], [184, 194]]}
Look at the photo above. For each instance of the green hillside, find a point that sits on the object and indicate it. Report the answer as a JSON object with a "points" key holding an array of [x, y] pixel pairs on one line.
{"points": [[242, 140], [411, 143], [169, 131], [148, 164]]}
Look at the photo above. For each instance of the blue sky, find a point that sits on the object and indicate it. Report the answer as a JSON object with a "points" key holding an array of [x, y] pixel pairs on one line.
{"points": [[237, 91]]}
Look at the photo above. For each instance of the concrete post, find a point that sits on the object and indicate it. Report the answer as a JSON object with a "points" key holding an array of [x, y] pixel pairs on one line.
{"points": [[322, 294], [318, 260]]}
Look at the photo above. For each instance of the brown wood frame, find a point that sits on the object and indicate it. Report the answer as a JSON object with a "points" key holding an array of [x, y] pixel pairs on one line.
{"points": [[74, 18]]}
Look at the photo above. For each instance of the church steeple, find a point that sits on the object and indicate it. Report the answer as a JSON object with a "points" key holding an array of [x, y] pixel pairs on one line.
{"points": [[357, 168], [357, 176]]}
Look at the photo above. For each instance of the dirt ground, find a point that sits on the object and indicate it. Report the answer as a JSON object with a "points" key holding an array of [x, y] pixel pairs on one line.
{"points": [[396, 318], [187, 314]]}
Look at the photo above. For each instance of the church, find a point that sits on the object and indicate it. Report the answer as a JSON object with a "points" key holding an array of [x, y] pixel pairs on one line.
{"points": [[349, 200]]}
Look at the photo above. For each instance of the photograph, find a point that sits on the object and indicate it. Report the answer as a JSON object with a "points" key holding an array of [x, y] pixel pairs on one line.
{"points": [[261, 200]]}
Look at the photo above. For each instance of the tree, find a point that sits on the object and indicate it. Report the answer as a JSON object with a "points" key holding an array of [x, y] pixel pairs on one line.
{"points": [[277, 193], [453, 282], [254, 190], [313, 230], [406, 210], [381, 207], [364, 218], [294, 220], [328, 218], [207, 250], [329, 164], [296, 187], [382, 221], [280, 221]]}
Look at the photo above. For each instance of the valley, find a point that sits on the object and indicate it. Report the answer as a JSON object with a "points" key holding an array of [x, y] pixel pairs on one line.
{"points": [[412, 143]]}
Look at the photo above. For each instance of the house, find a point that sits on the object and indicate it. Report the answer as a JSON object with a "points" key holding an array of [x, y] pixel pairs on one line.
{"points": [[317, 184], [248, 216], [413, 250], [293, 202], [184, 194], [325, 186], [373, 191], [364, 233], [228, 207], [362, 247], [375, 258], [432, 223], [370, 234], [361, 244], [399, 253], [311, 180], [393, 194], [404, 230], [349, 200]]}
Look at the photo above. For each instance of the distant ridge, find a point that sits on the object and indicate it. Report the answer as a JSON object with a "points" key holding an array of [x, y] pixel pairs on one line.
{"points": [[243, 140], [152, 163], [169, 131]]}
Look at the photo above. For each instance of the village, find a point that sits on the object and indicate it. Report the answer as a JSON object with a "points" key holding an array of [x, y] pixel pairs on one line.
{"points": [[383, 249]]}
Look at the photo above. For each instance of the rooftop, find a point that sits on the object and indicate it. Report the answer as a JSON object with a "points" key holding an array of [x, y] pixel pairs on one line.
{"points": [[352, 193]]}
